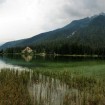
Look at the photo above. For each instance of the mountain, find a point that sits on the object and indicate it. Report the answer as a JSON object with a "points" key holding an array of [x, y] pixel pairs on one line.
{"points": [[52, 35], [11, 44], [89, 31], [93, 34]]}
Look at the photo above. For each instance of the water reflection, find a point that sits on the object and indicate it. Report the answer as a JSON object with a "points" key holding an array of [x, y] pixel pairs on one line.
{"points": [[48, 91], [10, 66], [27, 58], [32, 62]]}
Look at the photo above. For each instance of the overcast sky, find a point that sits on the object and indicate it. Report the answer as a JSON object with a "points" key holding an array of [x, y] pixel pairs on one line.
{"points": [[25, 18]]}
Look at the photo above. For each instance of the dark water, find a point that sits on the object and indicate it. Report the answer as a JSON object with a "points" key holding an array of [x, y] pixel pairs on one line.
{"points": [[28, 61]]}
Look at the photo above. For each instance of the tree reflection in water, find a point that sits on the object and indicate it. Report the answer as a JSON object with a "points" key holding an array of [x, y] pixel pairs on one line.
{"points": [[27, 58]]}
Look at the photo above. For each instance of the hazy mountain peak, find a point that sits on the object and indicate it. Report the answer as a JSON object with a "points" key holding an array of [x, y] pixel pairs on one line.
{"points": [[100, 14]]}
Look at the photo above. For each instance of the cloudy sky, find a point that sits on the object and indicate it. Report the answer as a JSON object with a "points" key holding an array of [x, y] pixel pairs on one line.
{"points": [[25, 18]]}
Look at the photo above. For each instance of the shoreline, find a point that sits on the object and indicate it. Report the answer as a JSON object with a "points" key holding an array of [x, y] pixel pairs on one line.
{"points": [[65, 55]]}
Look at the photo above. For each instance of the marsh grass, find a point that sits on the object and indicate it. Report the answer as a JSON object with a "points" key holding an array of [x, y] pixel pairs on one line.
{"points": [[78, 89], [13, 89], [90, 90]]}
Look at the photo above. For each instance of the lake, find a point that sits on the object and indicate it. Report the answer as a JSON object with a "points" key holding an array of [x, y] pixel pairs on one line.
{"points": [[52, 80], [86, 65], [28, 61]]}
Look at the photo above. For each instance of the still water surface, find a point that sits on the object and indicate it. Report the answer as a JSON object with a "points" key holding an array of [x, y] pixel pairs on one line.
{"points": [[23, 62]]}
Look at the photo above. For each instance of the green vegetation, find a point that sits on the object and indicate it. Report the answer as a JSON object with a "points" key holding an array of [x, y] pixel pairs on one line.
{"points": [[83, 89], [90, 90], [13, 89]]}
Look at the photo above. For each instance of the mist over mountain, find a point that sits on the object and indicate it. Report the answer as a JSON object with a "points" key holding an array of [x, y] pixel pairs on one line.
{"points": [[89, 31], [1, 44]]}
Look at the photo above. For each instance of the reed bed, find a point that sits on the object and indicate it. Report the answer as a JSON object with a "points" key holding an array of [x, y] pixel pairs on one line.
{"points": [[89, 90], [13, 89], [81, 89]]}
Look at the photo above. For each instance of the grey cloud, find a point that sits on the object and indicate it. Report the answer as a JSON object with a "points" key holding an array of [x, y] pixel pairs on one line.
{"points": [[2, 1], [84, 7], [94, 6], [45, 15], [72, 11]]}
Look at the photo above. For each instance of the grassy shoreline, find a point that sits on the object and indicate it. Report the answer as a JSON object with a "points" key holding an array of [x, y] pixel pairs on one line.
{"points": [[13, 87]]}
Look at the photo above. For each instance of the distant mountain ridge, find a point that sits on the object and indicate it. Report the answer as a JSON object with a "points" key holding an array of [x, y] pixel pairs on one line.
{"points": [[89, 31]]}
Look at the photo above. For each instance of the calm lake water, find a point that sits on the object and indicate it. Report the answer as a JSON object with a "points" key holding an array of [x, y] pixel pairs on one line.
{"points": [[23, 62]]}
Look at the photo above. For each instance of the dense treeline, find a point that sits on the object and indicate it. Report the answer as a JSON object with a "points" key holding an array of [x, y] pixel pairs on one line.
{"points": [[60, 47]]}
